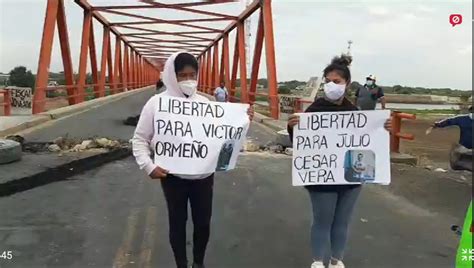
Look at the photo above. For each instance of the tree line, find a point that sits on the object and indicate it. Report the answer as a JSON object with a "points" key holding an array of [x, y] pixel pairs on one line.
{"points": [[21, 77]]}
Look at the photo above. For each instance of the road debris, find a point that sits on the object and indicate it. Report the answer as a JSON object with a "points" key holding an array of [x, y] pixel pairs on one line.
{"points": [[54, 148], [251, 146], [10, 151]]}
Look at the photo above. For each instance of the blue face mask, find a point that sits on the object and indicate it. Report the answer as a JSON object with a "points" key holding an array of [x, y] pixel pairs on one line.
{"points": [[370, 83]]}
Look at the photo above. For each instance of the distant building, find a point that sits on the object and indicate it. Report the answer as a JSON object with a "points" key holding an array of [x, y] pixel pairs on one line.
{"points": [[4, 79], [53, 84], [313, 82]]}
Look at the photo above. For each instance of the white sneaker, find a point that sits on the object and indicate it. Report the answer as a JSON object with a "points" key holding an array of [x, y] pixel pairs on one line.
{"points": [[339, 264], [318, 264]]}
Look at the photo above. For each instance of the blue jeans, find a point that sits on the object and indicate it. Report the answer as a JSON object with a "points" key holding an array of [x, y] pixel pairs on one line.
{"points": [[332, 211]]}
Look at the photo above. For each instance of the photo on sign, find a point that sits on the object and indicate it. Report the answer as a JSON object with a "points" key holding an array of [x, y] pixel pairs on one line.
{"points": [[359, 166], [225, 155]]}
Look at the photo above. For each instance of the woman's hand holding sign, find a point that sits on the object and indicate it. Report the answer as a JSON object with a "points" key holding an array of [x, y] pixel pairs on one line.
{"points": [[388, 125], [250, 113], [159, 173], [293, 120]]}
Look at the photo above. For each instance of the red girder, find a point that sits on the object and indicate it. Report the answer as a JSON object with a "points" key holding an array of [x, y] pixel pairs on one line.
{"points": [[138, 56]]}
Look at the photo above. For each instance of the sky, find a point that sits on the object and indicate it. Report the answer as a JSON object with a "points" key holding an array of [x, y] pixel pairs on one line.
{"points": [[408, 43]]}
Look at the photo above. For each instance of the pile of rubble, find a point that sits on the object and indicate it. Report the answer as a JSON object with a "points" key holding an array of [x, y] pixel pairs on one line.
{"points": [[65, 144], [73, 145], [271, 147], [280, 145]]}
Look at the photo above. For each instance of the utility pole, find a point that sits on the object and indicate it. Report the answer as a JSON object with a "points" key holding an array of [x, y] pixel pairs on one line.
{"points": [[349, 44]]}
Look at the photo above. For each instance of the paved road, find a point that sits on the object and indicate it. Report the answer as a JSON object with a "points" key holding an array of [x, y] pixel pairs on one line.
{"points": [[116, 216]]}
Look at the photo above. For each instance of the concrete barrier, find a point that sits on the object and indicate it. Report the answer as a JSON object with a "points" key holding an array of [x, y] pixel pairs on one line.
{"points": [[84, 106], [13, 124]]}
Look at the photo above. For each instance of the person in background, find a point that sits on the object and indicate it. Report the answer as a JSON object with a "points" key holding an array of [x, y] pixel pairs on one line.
{"points": [[461, 153], [160, 87], [221, 93], [180, 78], [369, 94], [133, 120], [332, 205], [464, 122]]}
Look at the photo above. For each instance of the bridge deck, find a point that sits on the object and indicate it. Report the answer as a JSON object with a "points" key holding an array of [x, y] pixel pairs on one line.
{"points": [[116, 215]]}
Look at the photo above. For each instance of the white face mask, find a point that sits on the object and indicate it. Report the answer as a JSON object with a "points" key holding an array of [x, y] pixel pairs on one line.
{"points": [[188, 87], [370, 82], [334, 91]]}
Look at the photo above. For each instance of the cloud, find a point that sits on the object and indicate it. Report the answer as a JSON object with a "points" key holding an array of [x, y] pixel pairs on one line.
{"points": [[466, 50], [410, 16], [426, 9], [378, 11]]}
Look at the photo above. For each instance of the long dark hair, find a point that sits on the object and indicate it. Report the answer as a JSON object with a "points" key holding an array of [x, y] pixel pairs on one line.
{"points": [[341, 66]]}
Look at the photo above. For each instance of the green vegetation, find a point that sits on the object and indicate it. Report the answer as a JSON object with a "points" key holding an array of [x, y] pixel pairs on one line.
{"points": [[293, 84], [398, 89], [262, 81], [427, 112], [257, 98], [21, 77], [284, 90], [59, 77]]}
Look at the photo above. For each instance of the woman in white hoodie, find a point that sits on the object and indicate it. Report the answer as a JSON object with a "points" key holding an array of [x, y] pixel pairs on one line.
{"points": [[180, 79]]}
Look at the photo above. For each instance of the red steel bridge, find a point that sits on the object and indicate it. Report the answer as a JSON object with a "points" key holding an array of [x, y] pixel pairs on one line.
{"points": [[138, 55]]}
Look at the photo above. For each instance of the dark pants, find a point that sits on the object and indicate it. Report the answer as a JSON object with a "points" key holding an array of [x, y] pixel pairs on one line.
{"points": [[199, 193]]}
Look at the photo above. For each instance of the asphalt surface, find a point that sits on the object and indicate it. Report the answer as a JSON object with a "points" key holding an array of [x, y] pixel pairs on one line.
{"points": [[114, 216]]}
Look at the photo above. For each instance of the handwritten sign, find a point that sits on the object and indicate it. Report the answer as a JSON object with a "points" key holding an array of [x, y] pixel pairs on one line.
{"points": [[198, 137], [287, 104], [341, 148], [20, 96]]}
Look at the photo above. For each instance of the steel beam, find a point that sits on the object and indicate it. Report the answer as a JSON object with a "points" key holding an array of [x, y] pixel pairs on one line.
{"points": [[45, 56]]}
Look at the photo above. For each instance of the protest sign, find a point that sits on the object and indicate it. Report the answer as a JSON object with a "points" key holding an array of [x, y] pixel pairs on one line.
{"points": [[198, 137], [341, 148]]}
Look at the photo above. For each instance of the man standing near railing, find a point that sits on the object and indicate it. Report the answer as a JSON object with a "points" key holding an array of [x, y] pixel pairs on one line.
{"points": [[461, 153], [369, 94], [221, 93], [464, 122]]}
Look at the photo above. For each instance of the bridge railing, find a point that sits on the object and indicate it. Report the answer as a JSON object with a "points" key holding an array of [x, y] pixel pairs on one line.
{"points": [[7, 106], [92, 91], [124, 65], [138, 56], [396, 134]]}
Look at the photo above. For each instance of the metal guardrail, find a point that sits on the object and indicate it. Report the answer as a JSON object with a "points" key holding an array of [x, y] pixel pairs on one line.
{"points": [[396, 134], [113, 88], [7, 106]]}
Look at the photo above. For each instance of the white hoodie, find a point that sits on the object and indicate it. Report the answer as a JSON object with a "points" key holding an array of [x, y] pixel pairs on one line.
{"points": [[141, 141]]}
